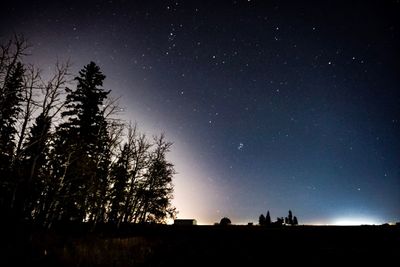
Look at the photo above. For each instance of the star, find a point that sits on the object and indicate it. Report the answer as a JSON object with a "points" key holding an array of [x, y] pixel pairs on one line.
{"points": [[240, 146]]}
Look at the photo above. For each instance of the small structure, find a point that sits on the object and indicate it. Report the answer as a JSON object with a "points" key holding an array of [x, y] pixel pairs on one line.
{"points": [[185, 222]]}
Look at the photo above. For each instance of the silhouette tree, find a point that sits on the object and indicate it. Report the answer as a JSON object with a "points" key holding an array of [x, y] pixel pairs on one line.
{"points": [[119, 177], [66, 174], [290, 218], [261, 220], [81, 153], [279, 221], [225, 221], [10, 107], [11, 96], [33, 169], [36, 151], [295, 222], [156, 189], [33, 151], [31, 79], [139, 161], [267, 219]]}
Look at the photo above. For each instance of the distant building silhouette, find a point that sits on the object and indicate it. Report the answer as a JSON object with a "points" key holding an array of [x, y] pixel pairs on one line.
{"points": [[225, 221], [185, 222]]}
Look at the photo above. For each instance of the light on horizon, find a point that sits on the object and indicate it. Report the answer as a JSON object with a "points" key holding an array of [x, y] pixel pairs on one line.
{"points": [[355, 221]]}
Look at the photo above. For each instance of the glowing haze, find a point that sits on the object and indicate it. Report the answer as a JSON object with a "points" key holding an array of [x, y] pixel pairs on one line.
{"points": [[271, 106]]}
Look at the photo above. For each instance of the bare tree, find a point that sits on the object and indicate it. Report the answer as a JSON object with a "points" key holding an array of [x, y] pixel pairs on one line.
{"points": [[31, 78], [48, 100], [156, 192], [138, 147], [53, 90], [12, 74], [11, 53], [115, 125]]}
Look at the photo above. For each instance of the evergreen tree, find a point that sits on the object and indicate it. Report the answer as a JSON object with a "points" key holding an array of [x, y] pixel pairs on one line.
{"points": [[119, 178], [10, 107], [290, 218], [33, 169], [295, 222], [267, 219], [261, 220], [81, 152]]}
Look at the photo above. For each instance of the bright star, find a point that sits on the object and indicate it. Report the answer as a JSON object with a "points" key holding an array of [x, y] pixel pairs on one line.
{"points": [[240, 147]]}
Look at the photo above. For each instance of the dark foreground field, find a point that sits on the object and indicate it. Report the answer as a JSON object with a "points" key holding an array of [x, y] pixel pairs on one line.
{"points": [[163, 245]]}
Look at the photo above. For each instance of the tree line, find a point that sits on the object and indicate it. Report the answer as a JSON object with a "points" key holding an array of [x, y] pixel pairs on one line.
{"points": [[66, 156], [266, 220]]}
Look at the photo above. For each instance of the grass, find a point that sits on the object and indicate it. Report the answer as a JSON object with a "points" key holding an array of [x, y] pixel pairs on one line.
{"points": [[168, 245]]}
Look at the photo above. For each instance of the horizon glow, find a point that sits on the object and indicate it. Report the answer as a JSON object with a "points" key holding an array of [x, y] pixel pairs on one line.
{"points": [[349, 221]]}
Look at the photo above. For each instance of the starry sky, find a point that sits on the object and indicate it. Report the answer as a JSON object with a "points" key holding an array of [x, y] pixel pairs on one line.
{"points": [[271, 105]]}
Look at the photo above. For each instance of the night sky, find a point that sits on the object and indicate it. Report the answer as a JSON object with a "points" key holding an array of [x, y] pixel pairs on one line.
{"points": [[271, 105]]}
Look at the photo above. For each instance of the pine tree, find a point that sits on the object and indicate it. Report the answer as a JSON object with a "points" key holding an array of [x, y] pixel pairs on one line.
{"points": [[295, 222], [290, 218], [119, 178], [261, 220], [81, 152], [268, 219], [33, 168], [10, 107]]}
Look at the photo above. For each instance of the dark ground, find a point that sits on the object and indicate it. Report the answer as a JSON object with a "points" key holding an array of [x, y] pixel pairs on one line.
{"points": [[168, 245]]}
